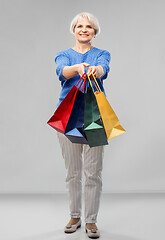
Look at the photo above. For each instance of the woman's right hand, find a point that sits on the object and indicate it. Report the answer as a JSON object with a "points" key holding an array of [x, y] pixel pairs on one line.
{"points": [[71, 71], [81, 68]]}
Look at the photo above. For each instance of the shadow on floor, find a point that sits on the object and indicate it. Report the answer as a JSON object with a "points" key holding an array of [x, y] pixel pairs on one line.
{"points": [[80, 234]]}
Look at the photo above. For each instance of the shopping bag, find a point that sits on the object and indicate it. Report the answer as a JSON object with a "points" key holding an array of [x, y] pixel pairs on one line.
{"points": [[93, 126], [61, 116], [74, 130], [110, 120], [77, 134]]}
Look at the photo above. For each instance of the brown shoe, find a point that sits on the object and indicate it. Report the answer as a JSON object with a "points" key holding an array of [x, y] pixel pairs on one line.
{"points": [[70, 228]]}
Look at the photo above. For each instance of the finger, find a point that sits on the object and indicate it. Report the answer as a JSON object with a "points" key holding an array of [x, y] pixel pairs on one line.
{"points": [[82, 69], [86, 64], [89, 70], [82, 74], [92, 71]]}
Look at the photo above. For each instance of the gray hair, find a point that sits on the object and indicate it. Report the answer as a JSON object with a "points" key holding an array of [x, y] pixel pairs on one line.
{"points": [[91, 18]]}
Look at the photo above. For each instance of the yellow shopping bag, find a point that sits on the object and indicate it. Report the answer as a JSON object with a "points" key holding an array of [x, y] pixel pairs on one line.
{"points": [[110, 120]]}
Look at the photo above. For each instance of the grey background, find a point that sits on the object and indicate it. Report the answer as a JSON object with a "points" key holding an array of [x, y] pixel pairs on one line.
{"points": [[31, 32]]}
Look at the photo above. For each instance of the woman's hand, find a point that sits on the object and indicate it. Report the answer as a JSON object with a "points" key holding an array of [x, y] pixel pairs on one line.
{"points": [[71, 71], [97, 71], [81, 68]]}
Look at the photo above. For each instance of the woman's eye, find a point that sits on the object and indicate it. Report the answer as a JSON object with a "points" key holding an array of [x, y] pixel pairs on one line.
{"points": [[81, 26]]}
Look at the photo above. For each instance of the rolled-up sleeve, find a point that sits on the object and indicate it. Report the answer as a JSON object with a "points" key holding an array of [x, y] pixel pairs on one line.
{"points": [[103, 59], [61, 60]]}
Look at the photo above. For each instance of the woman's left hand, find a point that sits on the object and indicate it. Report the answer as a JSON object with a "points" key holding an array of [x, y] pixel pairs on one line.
{"points": [[96, 70]]}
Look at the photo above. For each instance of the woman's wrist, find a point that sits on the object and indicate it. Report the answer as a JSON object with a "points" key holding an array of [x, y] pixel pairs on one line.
{"points": [[76, 66], [100, 71], [70, 71]]}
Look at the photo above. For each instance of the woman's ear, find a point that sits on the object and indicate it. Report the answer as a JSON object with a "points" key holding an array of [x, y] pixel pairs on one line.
{"points": [[74, 29]]}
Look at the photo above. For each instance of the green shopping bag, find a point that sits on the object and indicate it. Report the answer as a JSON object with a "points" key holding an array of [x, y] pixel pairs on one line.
{"points": [[93, 125]]}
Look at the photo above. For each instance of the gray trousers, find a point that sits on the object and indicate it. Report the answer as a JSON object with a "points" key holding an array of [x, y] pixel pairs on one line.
{"points": [[93, 162]]}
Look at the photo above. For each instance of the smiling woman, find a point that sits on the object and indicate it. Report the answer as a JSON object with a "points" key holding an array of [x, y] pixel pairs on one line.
{"points": [[92, 19], [84, 29], [71, 64], [83, 32]]}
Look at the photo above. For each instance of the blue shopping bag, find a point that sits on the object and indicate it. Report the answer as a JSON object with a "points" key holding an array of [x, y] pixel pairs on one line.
{"points": [[75, 127]]}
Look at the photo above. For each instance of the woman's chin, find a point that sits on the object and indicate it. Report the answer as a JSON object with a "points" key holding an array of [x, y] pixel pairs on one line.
{"points": [[84, 40]]}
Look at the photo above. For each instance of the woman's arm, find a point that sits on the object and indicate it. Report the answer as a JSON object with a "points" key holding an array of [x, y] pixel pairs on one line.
{"points": [[71, 71], [103, 60]]}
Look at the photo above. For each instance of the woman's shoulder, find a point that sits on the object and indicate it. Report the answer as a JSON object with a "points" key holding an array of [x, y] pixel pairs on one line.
{"points": [[101, 51], [62, 52]]}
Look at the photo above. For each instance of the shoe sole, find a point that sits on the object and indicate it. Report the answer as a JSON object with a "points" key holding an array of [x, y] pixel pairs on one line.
{"points": [[73, 231], [89, 236]]}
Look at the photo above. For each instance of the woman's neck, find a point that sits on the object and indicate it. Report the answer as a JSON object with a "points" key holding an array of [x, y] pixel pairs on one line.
{"points": [[82, 47]]}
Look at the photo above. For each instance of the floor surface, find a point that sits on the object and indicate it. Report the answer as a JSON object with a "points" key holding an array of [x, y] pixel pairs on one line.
{"points": [[121, 217]]}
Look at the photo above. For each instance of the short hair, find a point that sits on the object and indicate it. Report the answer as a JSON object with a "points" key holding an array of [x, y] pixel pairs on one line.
{"points": [[91, 18]]}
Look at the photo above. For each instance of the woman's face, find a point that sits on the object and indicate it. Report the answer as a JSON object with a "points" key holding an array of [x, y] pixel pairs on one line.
{"points": [[84, 31]]}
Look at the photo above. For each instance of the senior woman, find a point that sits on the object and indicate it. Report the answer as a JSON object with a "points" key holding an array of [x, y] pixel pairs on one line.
{"points": [[71, 65]]}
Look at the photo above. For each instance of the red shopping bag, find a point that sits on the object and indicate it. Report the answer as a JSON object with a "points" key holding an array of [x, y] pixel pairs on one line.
{"points": [[61, 116]]}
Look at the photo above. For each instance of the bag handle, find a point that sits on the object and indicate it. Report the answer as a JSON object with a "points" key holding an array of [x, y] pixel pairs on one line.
{"points": [[80, 79], [82, 84], [89, 81], [95, 83], [83, 87]]}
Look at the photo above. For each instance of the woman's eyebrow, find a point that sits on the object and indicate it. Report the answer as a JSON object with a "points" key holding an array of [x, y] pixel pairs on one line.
{"points": [[86, 25]]}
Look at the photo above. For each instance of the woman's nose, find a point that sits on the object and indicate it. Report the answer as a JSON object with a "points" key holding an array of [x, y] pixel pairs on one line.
{"points": [[84, 29]]}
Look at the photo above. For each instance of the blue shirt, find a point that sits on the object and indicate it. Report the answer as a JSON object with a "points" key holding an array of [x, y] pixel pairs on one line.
{"points": [[69, 57]]}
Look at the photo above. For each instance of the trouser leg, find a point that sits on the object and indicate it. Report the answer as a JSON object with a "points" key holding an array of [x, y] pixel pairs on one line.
{"points": [[93, 164], [72, 154]]}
